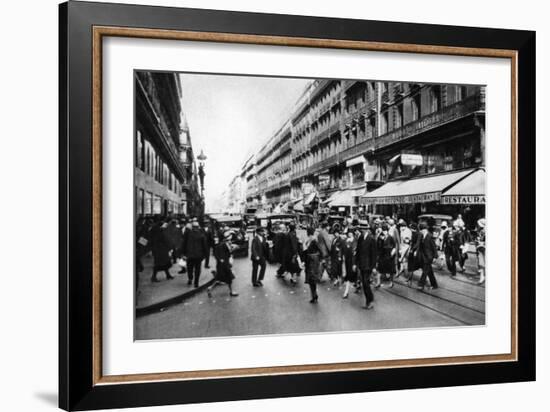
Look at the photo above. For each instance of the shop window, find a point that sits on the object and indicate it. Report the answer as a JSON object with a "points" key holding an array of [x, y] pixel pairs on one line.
{"points": [[148, 204]]}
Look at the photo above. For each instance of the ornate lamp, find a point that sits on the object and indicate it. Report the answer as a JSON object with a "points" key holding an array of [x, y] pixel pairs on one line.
{"points": [[201, 158]]}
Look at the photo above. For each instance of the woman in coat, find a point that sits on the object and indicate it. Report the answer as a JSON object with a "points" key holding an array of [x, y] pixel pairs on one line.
{"points": [[336, 259], [386, 257], [312, 263], [223, 274], [348, 251], [161, 247]]}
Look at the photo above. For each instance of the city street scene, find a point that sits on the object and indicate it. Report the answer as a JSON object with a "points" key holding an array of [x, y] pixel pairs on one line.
{"points": [[271, 205]]}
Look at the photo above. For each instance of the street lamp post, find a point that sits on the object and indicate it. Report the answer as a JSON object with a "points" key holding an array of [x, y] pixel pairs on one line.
{"points": [[201, 158]]}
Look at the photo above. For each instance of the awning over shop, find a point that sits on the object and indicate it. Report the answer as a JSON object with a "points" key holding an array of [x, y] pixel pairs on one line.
{"points": [[416, 190], [468, 191], [345, 197]]}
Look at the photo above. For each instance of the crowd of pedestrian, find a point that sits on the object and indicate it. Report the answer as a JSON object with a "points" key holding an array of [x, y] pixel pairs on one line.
{"points": [[362, 255], [354, 254]]}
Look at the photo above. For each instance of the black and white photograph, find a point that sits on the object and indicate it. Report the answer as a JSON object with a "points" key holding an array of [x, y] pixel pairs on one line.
{"points": [[275, 205]]}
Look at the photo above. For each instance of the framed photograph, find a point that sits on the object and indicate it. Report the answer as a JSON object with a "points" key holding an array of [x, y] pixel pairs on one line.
{"points": [[257, 206]]}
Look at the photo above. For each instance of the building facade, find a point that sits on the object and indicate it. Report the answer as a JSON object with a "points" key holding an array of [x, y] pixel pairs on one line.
{"points": [[347, 138], [165, 173]]}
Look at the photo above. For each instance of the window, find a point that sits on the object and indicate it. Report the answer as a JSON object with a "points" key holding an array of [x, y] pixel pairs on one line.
{"points": [[384, 123], [399, 115], [435, 97], [461, 92], [148, 204], [140, 200], [415, 107], [139, 151]]}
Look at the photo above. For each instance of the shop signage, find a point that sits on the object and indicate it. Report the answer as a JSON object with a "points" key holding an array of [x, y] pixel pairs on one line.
{"points": [[324, 180], [463, 200], [408, 199], [411, 159]]}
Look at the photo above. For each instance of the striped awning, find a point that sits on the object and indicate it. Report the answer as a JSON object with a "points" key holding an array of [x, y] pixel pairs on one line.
{"points": [[468, 191], [416, 190]]}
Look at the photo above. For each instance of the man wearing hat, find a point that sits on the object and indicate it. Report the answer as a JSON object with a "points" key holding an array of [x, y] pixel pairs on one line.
{"points": [[451, 247], [365, 261], [223, 273], [195, 249], [258, 255], [426, 253]]}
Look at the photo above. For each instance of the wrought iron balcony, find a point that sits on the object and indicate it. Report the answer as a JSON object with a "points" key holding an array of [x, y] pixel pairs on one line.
{"points": [[455, 111]]}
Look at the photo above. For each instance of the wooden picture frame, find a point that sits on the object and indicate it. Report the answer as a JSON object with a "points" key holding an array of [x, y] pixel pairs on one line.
{"points": [[81, 382]]}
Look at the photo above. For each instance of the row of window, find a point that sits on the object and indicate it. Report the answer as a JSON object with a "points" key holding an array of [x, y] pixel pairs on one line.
{"points": [[148, 203], [148, 161]]}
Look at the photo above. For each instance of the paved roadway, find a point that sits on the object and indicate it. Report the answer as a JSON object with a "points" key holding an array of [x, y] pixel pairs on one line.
{"points": [[280, 307]]}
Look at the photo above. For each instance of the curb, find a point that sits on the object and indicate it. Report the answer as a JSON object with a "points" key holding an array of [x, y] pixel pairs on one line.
{"points": [[157, 306]]}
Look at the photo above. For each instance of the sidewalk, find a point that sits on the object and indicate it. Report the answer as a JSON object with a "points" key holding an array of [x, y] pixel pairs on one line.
{"points": [[154, 296]]}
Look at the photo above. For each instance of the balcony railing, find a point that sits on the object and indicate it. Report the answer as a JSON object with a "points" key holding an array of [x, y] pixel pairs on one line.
{"points": [[455, 111]]}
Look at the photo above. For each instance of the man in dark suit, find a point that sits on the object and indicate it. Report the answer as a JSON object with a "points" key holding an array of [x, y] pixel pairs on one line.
{"points": [[426, 252], [365, 261], [195, 250], [258, 255]]}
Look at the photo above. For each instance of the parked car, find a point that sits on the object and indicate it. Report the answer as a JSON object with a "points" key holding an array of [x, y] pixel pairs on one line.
{"points": [[239, 240]]}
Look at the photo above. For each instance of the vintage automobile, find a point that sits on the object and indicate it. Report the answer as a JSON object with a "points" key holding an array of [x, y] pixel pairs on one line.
{"points": [[250, 221], [239, 240], [306, 220], [335, 221], [271, 222]]}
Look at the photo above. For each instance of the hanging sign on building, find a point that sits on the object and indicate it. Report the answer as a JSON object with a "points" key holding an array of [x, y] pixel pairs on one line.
{"points": [[324, 180], [408, 159]]}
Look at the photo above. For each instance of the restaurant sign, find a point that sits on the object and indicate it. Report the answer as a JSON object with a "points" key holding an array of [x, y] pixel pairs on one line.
{"points": [[406, 199], [463, 200]]}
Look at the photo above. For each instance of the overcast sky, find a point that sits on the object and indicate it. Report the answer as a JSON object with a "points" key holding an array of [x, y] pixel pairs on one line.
{"points": [[229, 117]]}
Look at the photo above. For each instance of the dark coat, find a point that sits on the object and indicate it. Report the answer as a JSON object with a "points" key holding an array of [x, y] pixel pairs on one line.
{"points": [[259, 249], [313, 262], [222, 253], [412, 260], [348, 251], [279, 246], [365, 253], [195, 244], [427, 250], [291, 254], [336, 258], [386, 262], [160, 246]]}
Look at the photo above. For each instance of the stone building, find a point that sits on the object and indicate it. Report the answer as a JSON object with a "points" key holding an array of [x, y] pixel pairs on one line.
{"points": [[165, 173], [347, 140]]}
